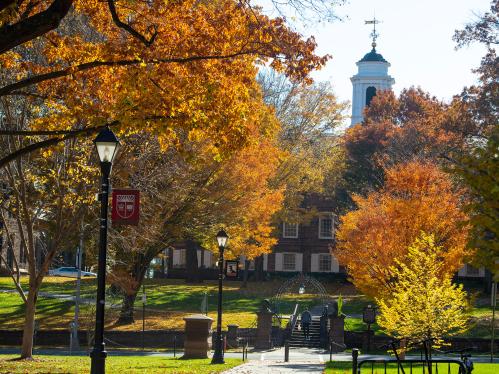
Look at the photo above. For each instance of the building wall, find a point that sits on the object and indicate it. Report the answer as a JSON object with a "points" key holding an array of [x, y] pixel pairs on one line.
{"points": [[468, 271], [308, 246], [205, 258]]}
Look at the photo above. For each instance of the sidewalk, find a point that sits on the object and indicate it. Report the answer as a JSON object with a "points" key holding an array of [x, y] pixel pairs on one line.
{"points": [[277, 367]]}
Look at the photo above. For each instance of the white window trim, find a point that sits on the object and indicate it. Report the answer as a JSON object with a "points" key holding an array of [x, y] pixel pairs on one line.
{"points": [[284, 230], [321, 217]]}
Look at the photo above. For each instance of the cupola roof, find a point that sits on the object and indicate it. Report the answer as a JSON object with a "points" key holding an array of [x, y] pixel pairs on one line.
{"points": [[373, 56]]}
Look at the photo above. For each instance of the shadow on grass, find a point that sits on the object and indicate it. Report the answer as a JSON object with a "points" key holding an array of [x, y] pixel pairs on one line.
{"points": [[46, 309]]}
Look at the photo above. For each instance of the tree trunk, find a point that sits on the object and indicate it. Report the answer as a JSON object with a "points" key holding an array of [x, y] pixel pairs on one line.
{"points": [[29, 325], [191, 266], [259, 268], [127, 308], [245, 274], [140, 265]]}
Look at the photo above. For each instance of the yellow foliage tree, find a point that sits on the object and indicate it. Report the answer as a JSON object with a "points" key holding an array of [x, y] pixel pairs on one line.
{"points": [[424, 304]]}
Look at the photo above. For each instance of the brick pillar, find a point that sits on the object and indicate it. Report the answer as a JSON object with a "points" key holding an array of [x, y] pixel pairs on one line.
{"points": [[264, 330], [337, 332], [232, 335]]}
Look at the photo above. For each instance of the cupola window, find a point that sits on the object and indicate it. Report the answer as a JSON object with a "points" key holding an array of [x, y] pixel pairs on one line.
{"points": [[370, 93]]}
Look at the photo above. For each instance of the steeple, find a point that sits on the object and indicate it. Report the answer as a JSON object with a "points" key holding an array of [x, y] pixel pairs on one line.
{"points": [[371, 77]]}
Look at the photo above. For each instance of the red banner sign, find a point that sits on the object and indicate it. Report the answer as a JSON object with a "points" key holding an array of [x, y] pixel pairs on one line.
{"points": [[126, 204]]}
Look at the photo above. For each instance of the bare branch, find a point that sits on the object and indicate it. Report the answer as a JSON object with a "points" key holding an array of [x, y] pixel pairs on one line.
{"points": [[34, 26], [130, 29], [11, 88], [53, 141]]}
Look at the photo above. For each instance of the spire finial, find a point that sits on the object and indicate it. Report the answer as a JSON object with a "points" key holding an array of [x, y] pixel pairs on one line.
{"points": [[374, 34]]}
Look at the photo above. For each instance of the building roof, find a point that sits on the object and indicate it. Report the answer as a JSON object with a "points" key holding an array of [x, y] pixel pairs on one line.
{"points": [[373, 56]]}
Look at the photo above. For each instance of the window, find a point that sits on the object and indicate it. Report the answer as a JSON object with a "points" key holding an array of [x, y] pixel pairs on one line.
{"points": [[370, 93], [471, 270], [324, 262], [326, 227], [288, 261], [289, 230]]}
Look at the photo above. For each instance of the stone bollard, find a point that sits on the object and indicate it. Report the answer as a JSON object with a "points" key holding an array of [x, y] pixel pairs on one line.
{"points": [[232, 336], [197, 334], [264, 330]]}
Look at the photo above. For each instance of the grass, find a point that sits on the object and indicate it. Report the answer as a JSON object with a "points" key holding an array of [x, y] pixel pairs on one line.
{"points": [[114, 364], [342, 367], [170, 300]]}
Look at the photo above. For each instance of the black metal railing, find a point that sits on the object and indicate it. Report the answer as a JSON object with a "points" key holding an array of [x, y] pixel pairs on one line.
{"points": [[426, 366]]}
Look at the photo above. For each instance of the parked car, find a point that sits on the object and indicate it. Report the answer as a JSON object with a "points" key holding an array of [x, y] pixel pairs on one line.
{"points": [[70, 272]]}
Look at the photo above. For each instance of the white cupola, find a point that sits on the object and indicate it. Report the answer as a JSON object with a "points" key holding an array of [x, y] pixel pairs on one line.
{"points": [[371, 77]]}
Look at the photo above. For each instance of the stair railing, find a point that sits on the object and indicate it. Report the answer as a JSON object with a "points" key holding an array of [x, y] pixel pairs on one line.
{"points": [[293, 319]]}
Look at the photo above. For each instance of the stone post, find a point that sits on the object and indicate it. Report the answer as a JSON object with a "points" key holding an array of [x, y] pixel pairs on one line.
{"points": [[264, 330], [337, 332], [232, 335], [197, 334]]}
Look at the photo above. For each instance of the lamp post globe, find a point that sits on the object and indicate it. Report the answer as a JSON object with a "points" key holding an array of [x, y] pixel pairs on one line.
{"points": [[222, 238], [218, 355], [107, 145]]}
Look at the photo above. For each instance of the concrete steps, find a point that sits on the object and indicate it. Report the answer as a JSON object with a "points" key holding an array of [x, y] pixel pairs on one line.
{"points": [[298, 336]]}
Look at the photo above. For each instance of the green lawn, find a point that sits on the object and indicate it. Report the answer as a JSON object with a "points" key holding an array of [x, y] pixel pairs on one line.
{"points": [[169, 300], [114, 364], [338, 367]]}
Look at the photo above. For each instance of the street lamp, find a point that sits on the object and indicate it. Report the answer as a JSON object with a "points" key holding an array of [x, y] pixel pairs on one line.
{"points": [[107, 145], [301, 290], [218, 356]]}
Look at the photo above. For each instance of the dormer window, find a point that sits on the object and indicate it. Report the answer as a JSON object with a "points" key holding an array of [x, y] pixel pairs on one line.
{"points": [[289, 230]]}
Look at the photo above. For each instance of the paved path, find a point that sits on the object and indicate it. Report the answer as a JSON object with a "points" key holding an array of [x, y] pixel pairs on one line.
{"points": [[278, 367], [301, 360]]}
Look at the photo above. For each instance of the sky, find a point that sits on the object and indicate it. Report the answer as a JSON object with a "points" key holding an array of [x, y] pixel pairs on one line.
{"points": [[415, 36]]}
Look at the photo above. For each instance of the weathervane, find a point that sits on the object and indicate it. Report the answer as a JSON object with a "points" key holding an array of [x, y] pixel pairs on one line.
{"points": [[374, 34]]}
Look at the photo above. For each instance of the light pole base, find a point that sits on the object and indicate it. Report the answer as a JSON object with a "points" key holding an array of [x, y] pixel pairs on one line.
{"points": [[98, 361], [217, 358]]}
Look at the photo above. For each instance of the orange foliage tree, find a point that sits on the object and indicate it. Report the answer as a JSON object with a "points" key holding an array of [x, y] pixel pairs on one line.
{"points": [[183, 68], [416, 197], [413, 126], [182, 72]]}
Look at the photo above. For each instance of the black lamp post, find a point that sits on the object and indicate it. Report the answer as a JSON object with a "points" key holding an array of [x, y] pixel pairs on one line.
{"points": [[218, 356], [107, 145]]}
